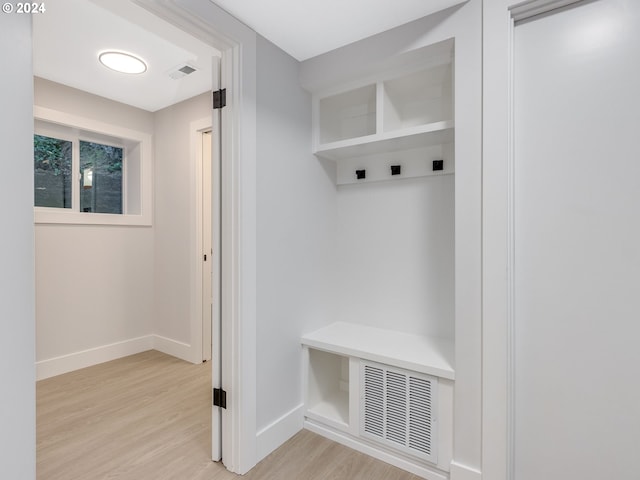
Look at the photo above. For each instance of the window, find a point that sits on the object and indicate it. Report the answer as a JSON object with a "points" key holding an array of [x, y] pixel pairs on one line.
{"points": [[100, 175], [52, 171], [90, 173], [101, 178]]}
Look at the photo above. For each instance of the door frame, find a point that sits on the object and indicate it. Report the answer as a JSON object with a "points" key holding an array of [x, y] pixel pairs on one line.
{"points": [[498, 341], [198, 128], [237, 42], [210, 183]]}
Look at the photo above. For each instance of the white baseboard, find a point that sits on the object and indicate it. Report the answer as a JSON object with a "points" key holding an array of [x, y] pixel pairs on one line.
{"points": [[275, 434], [382, 455], [463, 472], [173, 347], [93, 356]]}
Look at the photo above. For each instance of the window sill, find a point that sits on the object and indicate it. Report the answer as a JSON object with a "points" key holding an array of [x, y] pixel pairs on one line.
{"points": [[62, 216]]}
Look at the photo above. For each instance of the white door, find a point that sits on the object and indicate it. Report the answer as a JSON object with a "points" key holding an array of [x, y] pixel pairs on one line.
{"points": [[215, 267], [577, 243]]}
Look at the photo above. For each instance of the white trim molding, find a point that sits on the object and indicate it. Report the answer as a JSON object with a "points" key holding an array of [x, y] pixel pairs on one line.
{"points": [[497, 246], [105, 353], [380, 454], [278, 432], [531, 8], [92, 356], [172, 347], [464, 472]]}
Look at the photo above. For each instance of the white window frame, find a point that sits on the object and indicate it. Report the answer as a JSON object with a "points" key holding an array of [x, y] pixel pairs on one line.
{"points": [[86, 129]]}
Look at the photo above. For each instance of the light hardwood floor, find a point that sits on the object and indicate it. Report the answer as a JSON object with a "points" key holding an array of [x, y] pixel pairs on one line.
{"points": [[148, 416]]}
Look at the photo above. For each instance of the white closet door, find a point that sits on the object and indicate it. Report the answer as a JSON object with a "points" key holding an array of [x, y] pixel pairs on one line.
{"points": [[577, 250]]}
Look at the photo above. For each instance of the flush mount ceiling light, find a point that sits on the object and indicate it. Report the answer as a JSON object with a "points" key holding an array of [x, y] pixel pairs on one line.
{"points": [[122, 62]]}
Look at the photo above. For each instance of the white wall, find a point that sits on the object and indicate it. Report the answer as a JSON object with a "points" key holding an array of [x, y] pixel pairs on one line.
{"points": [[94, 284], [386, 51], [66, 99], [396, 255], [174, 221], [296, 229], [17, 322], [97, 286]]}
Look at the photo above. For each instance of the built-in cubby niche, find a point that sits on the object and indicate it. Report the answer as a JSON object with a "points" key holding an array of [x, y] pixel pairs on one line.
{"points": [[348, 115], [402, 119], [418, 99], [388, 389], [328, 388], [391, 136]]}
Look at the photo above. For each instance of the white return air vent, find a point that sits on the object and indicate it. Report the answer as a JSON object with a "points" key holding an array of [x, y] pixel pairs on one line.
{"points": [[398, 409], [182, 71]]}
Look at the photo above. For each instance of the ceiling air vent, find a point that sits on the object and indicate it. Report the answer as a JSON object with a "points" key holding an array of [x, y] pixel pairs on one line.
{"points": [[181, 71], [398, 410]]}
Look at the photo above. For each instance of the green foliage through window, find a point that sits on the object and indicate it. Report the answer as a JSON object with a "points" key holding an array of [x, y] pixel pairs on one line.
{"points": [[100, 169], [52, 172]]}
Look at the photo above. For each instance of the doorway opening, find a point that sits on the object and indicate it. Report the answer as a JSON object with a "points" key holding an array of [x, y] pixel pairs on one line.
{"points": [[130, 288], [205, 321]]}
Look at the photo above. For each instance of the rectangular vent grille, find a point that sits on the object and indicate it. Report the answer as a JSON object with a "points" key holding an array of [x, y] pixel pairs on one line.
{"points": [[398, 410]]}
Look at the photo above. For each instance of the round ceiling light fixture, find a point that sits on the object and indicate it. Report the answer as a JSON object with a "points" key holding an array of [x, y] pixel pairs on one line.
{"points": [[122, 62]]}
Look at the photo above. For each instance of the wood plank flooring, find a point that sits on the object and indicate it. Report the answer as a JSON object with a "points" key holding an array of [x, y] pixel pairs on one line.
{"points": [[148, 416]]}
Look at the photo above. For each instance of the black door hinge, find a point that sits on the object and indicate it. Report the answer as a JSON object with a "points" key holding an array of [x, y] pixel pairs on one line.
{"points": [[220, 98], [219, 398]]}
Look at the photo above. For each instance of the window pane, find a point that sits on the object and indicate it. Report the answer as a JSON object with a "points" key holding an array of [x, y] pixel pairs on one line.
{"points": [[52, 172], [101, 183]]}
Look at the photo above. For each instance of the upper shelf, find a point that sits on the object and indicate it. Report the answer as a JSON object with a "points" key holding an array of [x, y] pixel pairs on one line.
{"points": [[419, 353], [406, 139], [406, 112]]}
